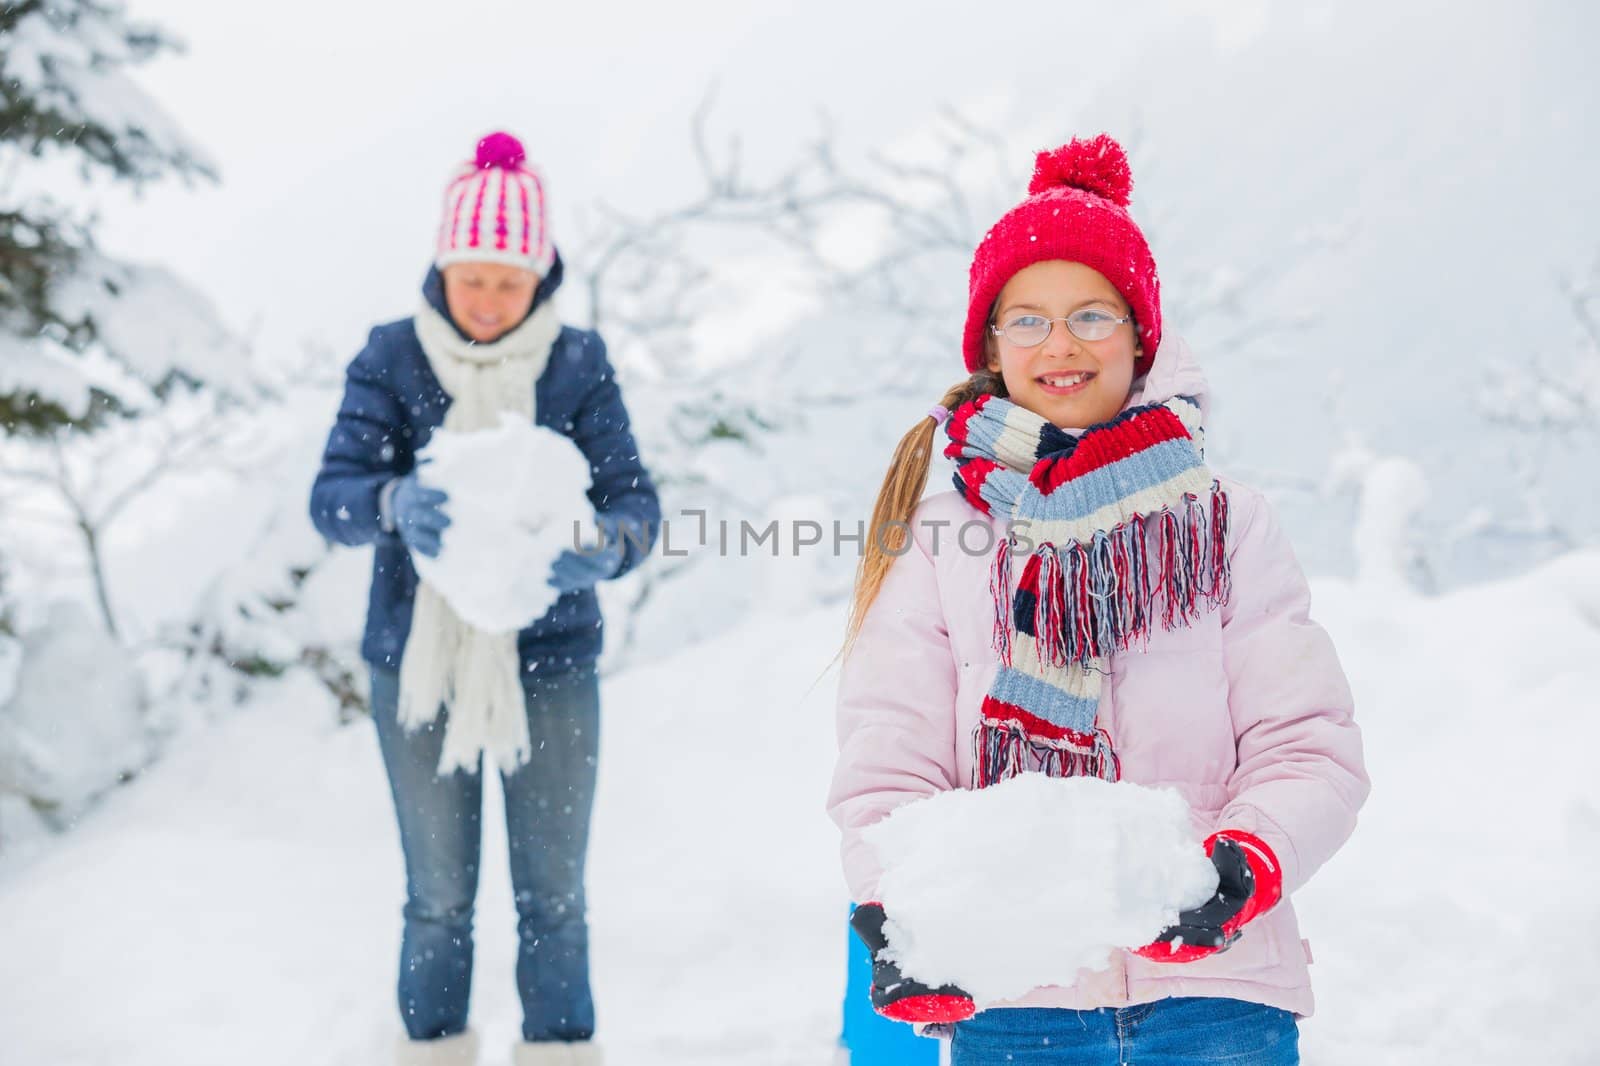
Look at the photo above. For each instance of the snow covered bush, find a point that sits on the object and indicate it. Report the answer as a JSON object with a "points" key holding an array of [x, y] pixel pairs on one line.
{"points": [[89, 344], [71, 726]]}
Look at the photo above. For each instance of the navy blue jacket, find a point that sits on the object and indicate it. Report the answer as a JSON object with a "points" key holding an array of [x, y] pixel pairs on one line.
{"points": [[393, 403]]}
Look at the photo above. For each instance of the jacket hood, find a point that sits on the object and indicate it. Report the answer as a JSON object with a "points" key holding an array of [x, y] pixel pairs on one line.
{"points": [[1173, 372]]}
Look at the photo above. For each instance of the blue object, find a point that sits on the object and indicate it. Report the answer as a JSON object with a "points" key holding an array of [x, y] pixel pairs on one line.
{"points": [[599, 560], [870, 1038], [1185, 1031], [393, 403], [548, 801], [419, 517]]}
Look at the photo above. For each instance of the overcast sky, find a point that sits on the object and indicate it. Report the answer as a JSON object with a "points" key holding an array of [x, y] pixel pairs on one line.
{"points": [[336, 124]]}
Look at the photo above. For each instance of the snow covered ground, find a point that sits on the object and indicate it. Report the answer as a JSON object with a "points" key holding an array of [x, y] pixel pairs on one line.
{"points": [[1459, 923], [240, 903]]}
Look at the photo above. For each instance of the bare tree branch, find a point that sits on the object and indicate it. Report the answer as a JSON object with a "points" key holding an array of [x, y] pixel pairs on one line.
{"points": [[75, 469]]}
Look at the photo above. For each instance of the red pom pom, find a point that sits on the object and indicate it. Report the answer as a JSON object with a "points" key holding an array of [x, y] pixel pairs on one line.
{"points": [[1098, 166], [500, 150]]}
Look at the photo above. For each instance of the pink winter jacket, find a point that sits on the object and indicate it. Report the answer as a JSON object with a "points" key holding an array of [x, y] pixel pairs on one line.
{"points": [[1247, 714]]}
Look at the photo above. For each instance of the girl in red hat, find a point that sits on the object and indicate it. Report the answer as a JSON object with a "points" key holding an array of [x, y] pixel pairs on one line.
{"points": [[1141, 619]]}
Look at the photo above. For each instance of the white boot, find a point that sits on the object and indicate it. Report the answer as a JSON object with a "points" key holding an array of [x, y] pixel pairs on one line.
{"points": [[458, 1050], [556, 1053]]}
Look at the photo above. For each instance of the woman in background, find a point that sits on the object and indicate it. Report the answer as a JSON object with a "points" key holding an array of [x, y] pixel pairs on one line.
{"points": [[484, 341]]}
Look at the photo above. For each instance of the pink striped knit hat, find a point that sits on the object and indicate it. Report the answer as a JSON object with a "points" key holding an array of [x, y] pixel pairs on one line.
{"points": [[494, 211]]}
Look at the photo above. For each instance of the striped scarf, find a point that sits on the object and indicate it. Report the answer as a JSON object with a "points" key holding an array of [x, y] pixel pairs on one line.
{"points": [[1122, 527]]}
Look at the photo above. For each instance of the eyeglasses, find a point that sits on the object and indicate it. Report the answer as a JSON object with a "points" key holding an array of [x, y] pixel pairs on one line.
{"points": [[1086, 324]]}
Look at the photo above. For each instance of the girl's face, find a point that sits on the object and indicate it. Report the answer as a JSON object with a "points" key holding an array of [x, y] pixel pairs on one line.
{"points": [[487, 300], [1070, 383]]}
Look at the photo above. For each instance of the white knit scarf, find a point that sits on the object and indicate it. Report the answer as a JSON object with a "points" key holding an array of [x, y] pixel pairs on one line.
{"points": [[447, 662]]}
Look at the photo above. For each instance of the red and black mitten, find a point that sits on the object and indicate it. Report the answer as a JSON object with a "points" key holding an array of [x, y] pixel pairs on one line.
{"points": [[899, 997], [1249, 883]]}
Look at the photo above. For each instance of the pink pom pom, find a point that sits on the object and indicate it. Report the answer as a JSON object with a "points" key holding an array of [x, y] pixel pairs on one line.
{"points": [[500, 150], [1097, 166]]}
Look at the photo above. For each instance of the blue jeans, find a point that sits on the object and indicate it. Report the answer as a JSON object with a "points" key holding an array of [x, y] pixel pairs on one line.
{"points": [[548, 801], [1168, 1032]]}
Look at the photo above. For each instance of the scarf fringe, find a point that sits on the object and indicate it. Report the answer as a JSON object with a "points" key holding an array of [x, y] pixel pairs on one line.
{"points": [[475, 678], [1000, 593], [1097, 597], [1002, 750]]}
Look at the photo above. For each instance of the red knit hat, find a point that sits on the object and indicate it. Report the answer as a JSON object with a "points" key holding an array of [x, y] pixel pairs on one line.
{"points": [[1076, 210]]}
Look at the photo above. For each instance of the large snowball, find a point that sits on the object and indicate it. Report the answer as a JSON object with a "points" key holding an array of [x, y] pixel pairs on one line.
{"points": [[1020, 885], [515, 492]]}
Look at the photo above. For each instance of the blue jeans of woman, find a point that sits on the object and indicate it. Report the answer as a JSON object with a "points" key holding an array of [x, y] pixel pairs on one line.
{"points": [[1168, 1032], [548, 802]]}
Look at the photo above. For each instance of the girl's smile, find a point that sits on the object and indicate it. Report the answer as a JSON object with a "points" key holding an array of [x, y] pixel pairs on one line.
{"points": [[1066, 384]]}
